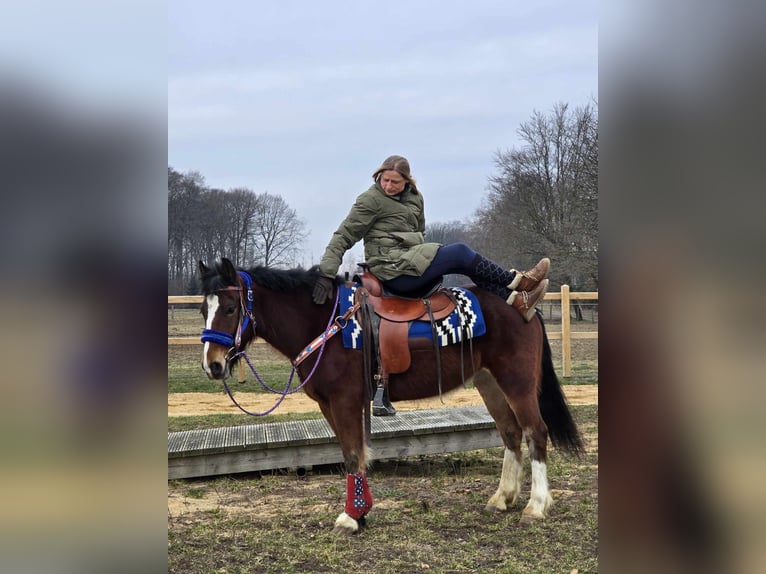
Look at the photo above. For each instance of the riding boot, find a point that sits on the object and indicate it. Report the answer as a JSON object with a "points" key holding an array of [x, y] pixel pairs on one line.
{"points": [[525, 301], [530, 285], [528, 280], [381, 404]]}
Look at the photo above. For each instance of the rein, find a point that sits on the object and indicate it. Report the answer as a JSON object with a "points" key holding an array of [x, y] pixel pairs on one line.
{"points": [[334, 325]]}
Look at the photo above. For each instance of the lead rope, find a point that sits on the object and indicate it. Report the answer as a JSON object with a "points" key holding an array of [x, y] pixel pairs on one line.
{"points": [[287, 390]]}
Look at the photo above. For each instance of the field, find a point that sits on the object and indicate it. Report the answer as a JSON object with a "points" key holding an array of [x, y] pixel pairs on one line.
{"points": [[428, 517], [428, 514]]}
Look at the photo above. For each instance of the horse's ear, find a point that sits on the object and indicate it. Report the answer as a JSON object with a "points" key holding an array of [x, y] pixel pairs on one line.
{"points": [[229, 271], [202, 268]]}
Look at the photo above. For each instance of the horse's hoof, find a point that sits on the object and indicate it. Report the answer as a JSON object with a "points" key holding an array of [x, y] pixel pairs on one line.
{"points": [[491, 509], [528, 519], [346, 525]]}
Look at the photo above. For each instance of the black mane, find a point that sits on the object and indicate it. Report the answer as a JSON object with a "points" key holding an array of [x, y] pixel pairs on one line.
{"points": [[283, 280]]}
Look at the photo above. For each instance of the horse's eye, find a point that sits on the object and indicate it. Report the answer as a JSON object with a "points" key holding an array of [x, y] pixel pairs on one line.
{"points": [[231, 309]]}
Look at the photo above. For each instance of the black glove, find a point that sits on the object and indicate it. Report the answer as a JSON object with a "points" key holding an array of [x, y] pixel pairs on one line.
{"points": [[322, 290]]}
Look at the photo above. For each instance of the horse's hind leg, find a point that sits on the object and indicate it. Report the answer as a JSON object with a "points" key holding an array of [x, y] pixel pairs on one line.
{"points": [[510, 432], [527, 411], [519, 386]]}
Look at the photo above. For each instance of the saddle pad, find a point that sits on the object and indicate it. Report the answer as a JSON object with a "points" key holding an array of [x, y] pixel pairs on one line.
{"points": [[448, 330]]}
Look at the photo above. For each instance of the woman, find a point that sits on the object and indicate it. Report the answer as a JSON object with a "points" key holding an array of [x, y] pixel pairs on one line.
{"points": [[389, 218]]}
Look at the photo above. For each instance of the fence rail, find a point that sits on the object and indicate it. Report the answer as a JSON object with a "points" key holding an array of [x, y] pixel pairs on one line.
{"points": [[565, 335]]}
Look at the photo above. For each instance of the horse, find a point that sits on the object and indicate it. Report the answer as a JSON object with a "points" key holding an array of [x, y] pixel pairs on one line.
{"points": [[511, 367]]}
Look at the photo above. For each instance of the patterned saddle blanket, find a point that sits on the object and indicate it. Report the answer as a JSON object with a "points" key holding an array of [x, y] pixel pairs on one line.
{"points": [[465, 322]]}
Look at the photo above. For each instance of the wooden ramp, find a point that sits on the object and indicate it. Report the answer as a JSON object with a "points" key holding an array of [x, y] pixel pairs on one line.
{"points": [[301, 444]]}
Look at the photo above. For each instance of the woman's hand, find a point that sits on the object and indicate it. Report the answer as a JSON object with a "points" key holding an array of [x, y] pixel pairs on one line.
{"points": [[322, 290]]}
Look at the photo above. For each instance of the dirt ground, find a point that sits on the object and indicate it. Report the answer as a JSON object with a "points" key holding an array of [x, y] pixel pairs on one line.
{"points": [[282, 522], [186, 404], [428, 515]]}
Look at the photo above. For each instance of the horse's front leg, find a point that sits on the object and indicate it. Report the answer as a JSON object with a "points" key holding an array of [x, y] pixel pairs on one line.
{"points": [[349, 430], [358, 504]]}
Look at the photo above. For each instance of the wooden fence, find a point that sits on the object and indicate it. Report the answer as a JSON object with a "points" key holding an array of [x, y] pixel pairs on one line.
{"points": [[565, 335]]}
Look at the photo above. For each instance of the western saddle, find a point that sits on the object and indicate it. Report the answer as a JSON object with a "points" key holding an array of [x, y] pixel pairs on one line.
{"points": [[389, 317]]}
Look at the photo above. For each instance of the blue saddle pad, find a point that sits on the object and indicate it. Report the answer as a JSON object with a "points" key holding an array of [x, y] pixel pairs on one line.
{"points": [[448, 330]]}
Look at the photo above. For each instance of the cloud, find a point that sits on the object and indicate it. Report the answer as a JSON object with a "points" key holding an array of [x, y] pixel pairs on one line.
{"points": [[303, 103]]}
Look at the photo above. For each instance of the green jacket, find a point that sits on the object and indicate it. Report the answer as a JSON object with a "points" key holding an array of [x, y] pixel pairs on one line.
{"points": [[392, 229]]}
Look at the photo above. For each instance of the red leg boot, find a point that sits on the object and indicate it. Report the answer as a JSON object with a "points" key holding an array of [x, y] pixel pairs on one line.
{"points": [[358, 496]]}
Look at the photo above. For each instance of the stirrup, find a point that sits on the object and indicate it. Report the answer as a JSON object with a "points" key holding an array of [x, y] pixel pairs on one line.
{"points": [[381, 405]]}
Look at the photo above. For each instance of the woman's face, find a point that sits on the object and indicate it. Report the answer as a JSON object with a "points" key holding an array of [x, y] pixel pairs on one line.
{"points": [[392, 182]]}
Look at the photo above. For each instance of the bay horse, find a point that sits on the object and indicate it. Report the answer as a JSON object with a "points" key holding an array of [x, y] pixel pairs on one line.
{"points": [[511, 365]]}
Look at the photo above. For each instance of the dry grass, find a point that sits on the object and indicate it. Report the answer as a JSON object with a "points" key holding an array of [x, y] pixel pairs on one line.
{"points": [[427, 517]]}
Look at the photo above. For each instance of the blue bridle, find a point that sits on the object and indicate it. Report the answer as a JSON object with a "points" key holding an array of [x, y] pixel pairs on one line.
{"points": [[246, 301]]}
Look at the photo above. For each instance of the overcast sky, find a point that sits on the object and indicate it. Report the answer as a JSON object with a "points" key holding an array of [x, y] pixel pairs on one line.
{"points": [[305, 99]]}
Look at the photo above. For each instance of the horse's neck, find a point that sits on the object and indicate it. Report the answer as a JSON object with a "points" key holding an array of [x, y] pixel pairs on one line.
{"points": [[289, 323]]}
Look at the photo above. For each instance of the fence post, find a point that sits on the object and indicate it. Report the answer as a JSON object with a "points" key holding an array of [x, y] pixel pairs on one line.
{"points": [[566, 347]]}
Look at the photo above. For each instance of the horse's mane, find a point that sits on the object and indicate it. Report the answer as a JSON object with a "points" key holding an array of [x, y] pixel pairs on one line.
{"points": [[283, 280]]}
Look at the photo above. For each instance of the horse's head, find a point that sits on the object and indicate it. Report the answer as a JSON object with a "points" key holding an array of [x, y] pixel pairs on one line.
{"points": [[227, 310]]}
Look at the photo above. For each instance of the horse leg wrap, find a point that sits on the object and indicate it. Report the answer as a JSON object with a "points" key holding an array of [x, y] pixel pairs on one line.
{"points": [[358, 495]]}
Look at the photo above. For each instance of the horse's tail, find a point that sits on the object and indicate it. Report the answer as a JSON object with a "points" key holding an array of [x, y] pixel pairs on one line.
{"points": [[562, 429]]}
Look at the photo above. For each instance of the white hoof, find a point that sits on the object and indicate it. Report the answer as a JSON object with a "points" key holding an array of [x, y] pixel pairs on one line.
{"points": [[345, 525], [498, 503], [536, 509]]}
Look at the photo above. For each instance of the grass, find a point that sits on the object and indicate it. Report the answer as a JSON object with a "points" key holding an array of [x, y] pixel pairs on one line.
{"points": [[185, 375], [428, 518], [184, 321]]}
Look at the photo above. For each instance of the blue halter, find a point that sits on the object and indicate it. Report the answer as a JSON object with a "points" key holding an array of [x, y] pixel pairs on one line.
{"points": [[246, 300]]}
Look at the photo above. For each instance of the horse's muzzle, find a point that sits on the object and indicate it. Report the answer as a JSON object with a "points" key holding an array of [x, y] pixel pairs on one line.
{"points": [[217, 370], [216, 365], [217, 359]]}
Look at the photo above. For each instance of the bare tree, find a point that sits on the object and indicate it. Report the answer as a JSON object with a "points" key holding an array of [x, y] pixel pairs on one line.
{"points": [[241, 209], [205, 223], [277, 232], [212, 228], [544, 201], [185, 192], [447, 232]]}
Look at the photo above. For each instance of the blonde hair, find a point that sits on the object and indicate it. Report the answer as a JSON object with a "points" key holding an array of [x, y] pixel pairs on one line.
{"points": [[400, 165]]}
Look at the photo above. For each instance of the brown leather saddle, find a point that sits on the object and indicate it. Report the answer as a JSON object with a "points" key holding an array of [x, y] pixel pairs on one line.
{"points": [[394, 314]]}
